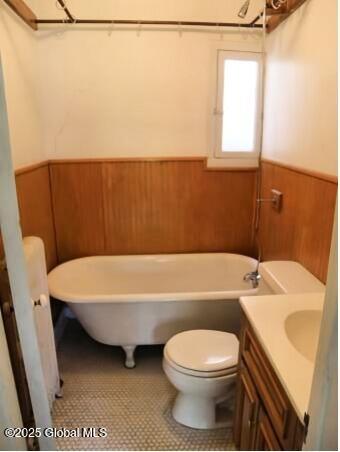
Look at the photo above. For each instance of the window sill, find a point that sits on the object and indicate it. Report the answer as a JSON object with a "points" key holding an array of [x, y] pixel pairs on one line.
{"points": [[233, 164]]}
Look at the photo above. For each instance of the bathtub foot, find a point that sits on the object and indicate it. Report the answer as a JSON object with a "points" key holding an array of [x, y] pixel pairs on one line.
{"points": [[129, 359]]}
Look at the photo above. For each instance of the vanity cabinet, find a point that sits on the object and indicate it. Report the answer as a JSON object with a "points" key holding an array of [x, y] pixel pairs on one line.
{"points": [[247, 408], [264, 416]]}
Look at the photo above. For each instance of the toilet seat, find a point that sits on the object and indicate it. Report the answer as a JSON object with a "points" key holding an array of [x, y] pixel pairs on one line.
{"points": [[203, 353], [197, 373]]}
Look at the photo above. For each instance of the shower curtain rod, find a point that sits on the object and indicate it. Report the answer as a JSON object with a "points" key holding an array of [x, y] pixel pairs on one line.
{"points": [[72, 20], [27, 15], [176, 23]]}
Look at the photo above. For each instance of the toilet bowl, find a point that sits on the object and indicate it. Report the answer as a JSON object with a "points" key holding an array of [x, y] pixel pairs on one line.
{"points": [[202, 366]]}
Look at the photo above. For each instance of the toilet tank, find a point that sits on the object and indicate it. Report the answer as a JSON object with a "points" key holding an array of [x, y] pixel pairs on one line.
{"points": [[289, 277]]}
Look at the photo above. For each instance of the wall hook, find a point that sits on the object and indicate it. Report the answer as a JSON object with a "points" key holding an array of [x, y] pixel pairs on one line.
{"points": [[219, 30], [111, 28], [60, 33], [180, 29]]}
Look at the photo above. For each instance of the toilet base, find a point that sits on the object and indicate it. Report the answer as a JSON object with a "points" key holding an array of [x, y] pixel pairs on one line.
{"points": [[200, 413]]}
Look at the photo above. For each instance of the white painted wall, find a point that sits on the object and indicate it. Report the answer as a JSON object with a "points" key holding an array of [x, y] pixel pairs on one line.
{"points": [[126, 95], [18, 48], [150, 95], [84, 93], [300, 125]]}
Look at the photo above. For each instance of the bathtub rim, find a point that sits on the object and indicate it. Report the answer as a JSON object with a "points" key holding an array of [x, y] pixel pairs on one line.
{"points": [[221, 295]]}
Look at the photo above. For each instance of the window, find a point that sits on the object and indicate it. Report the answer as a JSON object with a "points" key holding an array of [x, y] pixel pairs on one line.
{"points": [[238, 106]]}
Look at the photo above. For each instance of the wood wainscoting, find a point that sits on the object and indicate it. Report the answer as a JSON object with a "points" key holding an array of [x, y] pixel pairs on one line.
{"points": [[302, 231], [145, 206], [150, 206], [35, 207]]}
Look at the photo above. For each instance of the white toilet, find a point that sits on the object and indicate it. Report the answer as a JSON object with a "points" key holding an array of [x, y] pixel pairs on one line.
{"points": [[202, 366]]}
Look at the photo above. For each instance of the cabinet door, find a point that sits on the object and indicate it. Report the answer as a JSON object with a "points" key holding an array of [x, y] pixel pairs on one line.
{"points": [[247, 406], [265, 435]]}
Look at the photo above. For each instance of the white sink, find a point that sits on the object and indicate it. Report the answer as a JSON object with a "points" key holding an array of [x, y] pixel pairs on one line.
{"points": [[302, 329]]}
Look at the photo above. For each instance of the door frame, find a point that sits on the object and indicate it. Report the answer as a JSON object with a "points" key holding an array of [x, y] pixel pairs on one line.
{"points": [[323, 403], [10, 415], [15, 260]]}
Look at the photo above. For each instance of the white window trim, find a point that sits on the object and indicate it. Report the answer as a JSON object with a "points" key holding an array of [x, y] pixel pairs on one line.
{"points": [[242, 50], [242, 56]]}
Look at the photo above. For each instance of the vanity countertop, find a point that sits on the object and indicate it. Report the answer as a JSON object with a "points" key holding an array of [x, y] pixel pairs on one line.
{"points": [[267, 316]]}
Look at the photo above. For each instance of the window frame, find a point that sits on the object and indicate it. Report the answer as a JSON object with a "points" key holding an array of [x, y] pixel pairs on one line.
{"points": [[217, 157]]}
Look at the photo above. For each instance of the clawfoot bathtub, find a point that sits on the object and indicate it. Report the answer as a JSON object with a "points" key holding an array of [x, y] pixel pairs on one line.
{"points": [[139, 300]]}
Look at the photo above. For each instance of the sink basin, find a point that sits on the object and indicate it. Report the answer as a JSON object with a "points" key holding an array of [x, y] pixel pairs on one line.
{"points": [[302, 329]]}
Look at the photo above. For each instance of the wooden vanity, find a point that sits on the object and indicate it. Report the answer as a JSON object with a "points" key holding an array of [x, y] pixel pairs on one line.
{"points": [[264, 417]]}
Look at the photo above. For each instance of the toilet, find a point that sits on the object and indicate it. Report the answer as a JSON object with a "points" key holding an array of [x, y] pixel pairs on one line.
{"points": [[202, 366]]}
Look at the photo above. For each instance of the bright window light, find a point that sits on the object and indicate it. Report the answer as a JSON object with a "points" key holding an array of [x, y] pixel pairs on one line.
{"points": [[240, 103], [236, 137]]}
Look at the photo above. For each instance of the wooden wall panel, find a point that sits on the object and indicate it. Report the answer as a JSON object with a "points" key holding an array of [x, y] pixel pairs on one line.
{"points": [[166, 206], [78, 209], [35, 206], [169, 207], [302, 231], [144, 207]]}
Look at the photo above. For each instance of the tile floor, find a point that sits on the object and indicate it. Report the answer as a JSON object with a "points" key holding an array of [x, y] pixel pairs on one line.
{"points": [[134, 405]]}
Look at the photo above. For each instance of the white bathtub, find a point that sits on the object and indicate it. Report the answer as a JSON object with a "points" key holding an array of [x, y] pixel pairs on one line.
{"points": [[139, 300]]}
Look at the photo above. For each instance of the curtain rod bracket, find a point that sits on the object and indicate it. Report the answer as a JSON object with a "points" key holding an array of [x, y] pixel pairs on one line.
{"points": [[65, 9]]}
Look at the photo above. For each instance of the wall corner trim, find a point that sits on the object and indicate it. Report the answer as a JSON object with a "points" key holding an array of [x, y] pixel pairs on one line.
{"points": [[317, 175]]}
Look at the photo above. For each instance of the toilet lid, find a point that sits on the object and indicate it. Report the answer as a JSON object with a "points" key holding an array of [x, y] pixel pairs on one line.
{"points": [[203, 350]]}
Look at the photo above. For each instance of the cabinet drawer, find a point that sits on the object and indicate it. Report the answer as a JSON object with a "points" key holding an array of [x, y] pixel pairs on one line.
{"points": [[270, 390]]}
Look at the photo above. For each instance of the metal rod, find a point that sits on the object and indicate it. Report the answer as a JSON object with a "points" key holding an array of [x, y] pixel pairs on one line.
{"points": [[148, 22], [257, 18], [67, 11], [265, 200]]}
